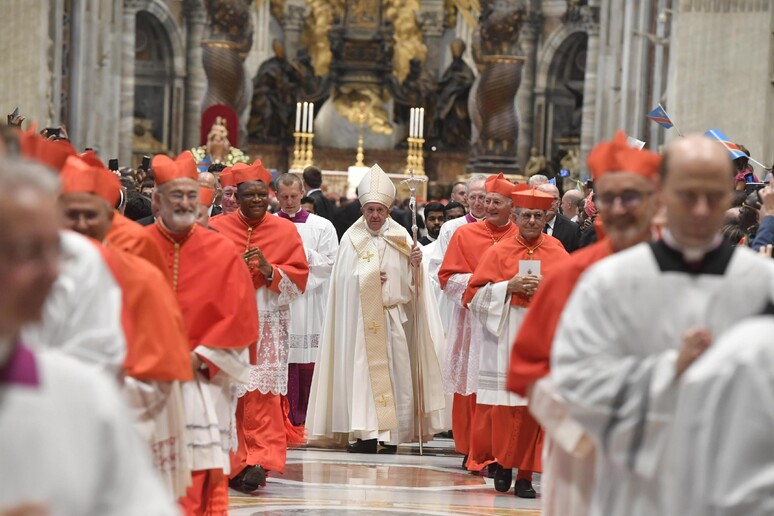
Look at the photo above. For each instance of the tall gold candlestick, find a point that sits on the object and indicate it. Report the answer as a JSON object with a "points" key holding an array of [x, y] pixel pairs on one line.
{"points": [[309, 158], [296, 151]]}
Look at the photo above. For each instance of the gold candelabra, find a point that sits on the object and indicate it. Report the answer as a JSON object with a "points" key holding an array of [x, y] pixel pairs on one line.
{"points": [[303, 154], [416, 158]]}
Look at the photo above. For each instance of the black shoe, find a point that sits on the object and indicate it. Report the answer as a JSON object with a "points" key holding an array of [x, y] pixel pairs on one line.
{"points": [[524, 488], [502, 479], [465, 462], [387, 449], [360, 446], [491, 469], [249, 479]]}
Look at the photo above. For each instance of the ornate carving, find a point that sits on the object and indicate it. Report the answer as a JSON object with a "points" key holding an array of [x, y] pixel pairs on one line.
{"points": [[408, 37], [449, 14], [218, 148], [294, 17], [432, 23], [227, 40], [497, 50], [536, 164], [277, 9]]}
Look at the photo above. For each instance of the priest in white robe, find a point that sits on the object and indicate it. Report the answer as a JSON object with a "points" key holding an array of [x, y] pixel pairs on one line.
{"points": [[722, 448], [307, 311], [82, 315], [365, 383], [638, 319]]}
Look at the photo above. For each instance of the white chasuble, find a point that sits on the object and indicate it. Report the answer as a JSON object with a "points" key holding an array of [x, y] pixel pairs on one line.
{"points": [[615, 353], [364, 385]]}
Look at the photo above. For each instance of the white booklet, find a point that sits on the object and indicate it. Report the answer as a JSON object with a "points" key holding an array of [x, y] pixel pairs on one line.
{"points": [[529, 267]]}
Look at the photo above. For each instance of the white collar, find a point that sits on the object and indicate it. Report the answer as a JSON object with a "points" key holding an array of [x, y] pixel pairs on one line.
{"points": [[552, 222], [691, 254], [313, 190]]}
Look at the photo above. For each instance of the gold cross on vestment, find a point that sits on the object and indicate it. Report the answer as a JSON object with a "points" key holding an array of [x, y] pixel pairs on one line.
{"points": [[367, 257], [374, 327], [383, 400]]}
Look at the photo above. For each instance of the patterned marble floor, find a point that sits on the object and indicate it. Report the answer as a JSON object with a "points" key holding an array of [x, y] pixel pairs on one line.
{"points": [[331, 482]]}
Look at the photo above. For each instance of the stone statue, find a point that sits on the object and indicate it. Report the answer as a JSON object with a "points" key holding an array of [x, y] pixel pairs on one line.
{"points": [[274, 99], [536, 164], [452, 123], [417, 90], [309, 87], [225, 46], [218, 148], [571, 163]]}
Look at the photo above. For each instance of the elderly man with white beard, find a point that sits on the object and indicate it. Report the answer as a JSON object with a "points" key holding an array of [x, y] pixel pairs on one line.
{"points": [[219, 327]]}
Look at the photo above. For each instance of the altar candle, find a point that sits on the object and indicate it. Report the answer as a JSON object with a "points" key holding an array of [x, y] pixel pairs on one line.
{"points": [[311, 118], [298, 116], [411, 123], [421, 127], [306, 114]]}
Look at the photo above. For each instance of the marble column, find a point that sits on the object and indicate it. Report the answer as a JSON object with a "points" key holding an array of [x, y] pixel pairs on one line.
{"points": [[293, 25], [525, 98], [196, 80], [431, 22], [126, 122], [590, 21]]}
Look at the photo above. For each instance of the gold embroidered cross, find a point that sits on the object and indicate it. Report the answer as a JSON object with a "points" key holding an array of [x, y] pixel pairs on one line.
{"points": [[374, 327], [367, 257], [383, 400]]}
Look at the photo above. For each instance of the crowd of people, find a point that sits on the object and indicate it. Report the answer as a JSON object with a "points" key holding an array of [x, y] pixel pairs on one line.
{"points": [[167, 333]]}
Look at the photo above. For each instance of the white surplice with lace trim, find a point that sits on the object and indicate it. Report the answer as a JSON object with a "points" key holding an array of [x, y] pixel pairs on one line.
{"points": [[269, 373]]}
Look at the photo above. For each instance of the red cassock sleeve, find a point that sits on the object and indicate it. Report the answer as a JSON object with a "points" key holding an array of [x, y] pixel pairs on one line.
{"points": [[531, 351], [278, 240], [157, 347], [214, 290]]}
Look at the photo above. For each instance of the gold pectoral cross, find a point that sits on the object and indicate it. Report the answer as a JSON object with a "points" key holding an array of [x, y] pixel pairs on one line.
{"points": [[383, 400], [374, 327], [367, 257]]}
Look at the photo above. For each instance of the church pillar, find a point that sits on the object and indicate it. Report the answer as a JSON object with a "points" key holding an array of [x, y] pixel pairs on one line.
{"points": [[525, 98], [589, 110], [293, 25], [431, 22], [196, 80], [126, 121]]}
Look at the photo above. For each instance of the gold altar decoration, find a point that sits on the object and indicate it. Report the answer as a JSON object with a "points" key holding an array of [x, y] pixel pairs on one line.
{"points": [[348, 103], [407, 39]]}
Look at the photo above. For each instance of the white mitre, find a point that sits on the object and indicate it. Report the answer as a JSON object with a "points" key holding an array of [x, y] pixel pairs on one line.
{"points": [[376, 187]]}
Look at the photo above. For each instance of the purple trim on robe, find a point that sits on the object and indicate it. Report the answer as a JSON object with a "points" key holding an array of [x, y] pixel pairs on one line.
{"points": [[21, 368], [300, 218], [470, 218]]}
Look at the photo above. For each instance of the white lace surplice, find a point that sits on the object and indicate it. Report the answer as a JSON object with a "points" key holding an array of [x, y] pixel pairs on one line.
{"points": [[269, 369], [460, 369]]}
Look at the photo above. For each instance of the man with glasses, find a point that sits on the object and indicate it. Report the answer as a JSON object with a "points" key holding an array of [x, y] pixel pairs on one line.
{"points": [[625, 180], [498, 294], [489, 198], [219, 328], [274, 252], [638, 319]]}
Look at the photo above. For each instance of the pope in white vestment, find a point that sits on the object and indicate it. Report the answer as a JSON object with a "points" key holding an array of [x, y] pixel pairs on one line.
{"points": [[615, 354], [82, 314], [722, 447], [365, 382]]}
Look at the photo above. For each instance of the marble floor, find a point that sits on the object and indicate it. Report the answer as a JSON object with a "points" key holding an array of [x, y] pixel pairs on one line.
{"points": [[332, 482]]}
